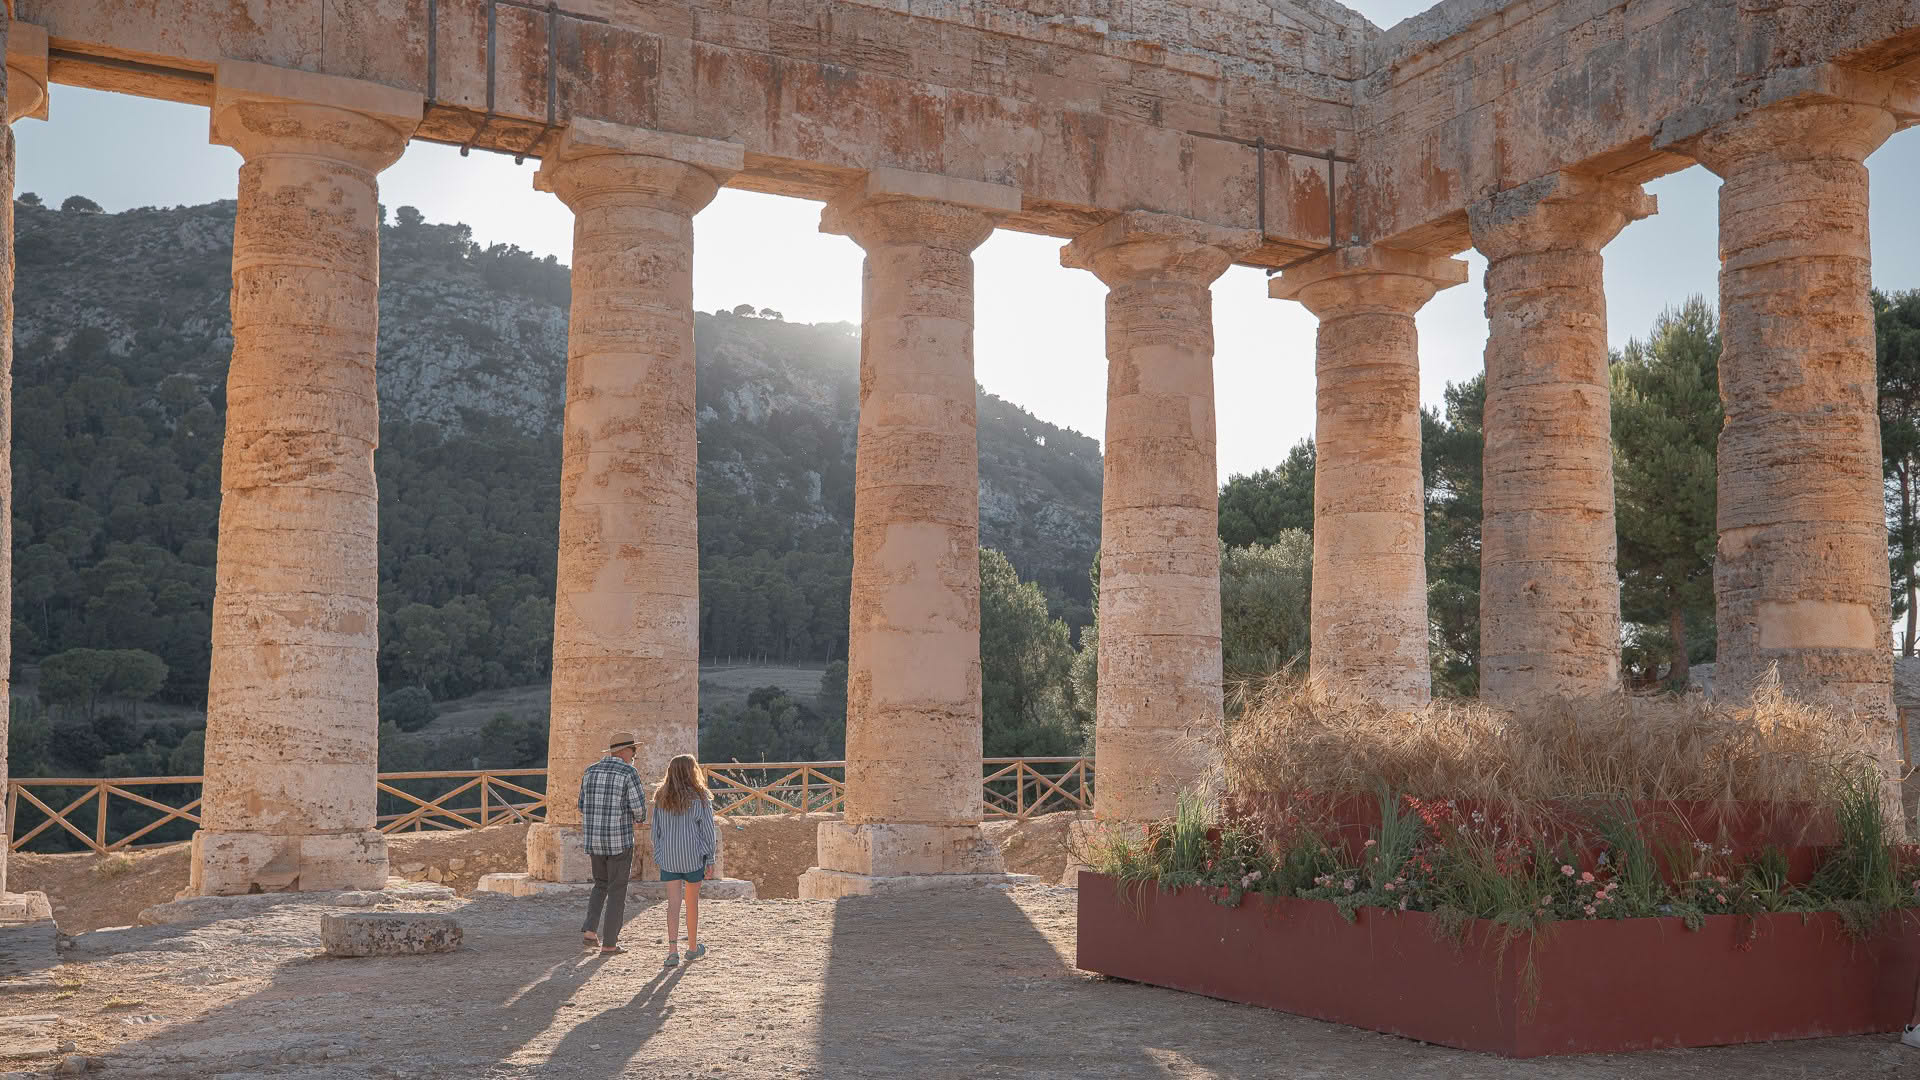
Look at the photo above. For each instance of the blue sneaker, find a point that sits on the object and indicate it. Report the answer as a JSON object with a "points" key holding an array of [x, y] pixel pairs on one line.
{"points": [[696, 952]]}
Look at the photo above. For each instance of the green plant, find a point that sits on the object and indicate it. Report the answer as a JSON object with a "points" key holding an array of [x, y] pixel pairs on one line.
{"points": [[1860, 877]]}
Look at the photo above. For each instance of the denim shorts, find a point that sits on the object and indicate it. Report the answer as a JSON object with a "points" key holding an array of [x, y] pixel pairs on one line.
{"points": [[694, 876]]}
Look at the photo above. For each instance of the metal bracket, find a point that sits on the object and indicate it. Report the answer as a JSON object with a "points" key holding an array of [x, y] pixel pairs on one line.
{"points": [[553, 12], [1260, 147]]}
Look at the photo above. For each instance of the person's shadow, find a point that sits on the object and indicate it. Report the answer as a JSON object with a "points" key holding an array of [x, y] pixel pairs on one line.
{"points": [[619, 1032]]}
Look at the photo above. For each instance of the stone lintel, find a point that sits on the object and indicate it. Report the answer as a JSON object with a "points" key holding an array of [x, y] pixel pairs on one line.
{"points": [[1368, 261], [889, 184], [26, 71], [585, 137], [1679, 129], [1148, 227]]}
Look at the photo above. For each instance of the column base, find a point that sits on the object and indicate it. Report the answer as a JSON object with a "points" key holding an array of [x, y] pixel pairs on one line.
{"points": [[558, 854], [522, 886], [875, 858], [236, 863]]}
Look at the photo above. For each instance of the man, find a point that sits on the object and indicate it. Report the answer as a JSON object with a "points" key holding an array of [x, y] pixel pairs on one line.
{"points": [[611, 804]]}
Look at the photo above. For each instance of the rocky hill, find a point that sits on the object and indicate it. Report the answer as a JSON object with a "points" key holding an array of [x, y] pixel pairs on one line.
{"points": [[122, 340]]}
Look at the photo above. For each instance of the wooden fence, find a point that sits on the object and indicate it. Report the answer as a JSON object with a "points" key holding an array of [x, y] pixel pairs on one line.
{"points": [[105, 815]]}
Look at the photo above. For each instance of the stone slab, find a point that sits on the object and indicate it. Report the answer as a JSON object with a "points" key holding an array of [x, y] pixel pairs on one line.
{"points": [[29, 948], [883, 850], [526, 885], [389, 934], [24, 906], [819, 884]]}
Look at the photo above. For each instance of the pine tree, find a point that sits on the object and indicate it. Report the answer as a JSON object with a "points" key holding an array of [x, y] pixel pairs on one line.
{"points": [[1451, 447], [1896, 320], [1666, 426]]}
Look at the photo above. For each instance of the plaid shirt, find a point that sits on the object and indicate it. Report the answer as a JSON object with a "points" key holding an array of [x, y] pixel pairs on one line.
{"points": [[610, 805]]}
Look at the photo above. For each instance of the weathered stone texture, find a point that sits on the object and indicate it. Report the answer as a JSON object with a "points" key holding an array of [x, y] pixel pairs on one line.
{"points": [[393, 934], [1801, 575], [1549, 590], [292, 696], [1158, 728], [1369, 605], [626, 636]]}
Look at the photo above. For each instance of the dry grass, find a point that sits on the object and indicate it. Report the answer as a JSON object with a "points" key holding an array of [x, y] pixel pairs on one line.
{"points": [[1295, 736], [112, 866]]}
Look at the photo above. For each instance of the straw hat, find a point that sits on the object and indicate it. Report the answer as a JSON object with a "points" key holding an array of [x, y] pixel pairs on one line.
{"points": [[620, 740]]}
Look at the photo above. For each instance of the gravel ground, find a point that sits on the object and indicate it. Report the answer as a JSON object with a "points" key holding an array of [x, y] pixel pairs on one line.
{"points": [[965, 984]]}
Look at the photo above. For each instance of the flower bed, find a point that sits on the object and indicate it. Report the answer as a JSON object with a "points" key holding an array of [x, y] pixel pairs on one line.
{"points": [[1580, 986]]}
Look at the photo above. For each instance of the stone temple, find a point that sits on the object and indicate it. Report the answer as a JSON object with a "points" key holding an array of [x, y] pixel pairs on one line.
{"points": [[1163, 141]]}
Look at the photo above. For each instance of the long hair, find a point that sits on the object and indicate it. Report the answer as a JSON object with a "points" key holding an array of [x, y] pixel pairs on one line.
{"points": [[684, 782]]}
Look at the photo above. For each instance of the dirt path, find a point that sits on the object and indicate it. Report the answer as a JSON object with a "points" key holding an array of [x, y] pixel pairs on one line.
{"points": [[968, 984]]}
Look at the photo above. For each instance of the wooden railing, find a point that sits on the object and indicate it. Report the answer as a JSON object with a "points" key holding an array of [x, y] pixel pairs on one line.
{"points": [[106, 815]]}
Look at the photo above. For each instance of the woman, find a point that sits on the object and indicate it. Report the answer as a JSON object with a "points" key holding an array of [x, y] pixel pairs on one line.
{"points": [[683, 847]]}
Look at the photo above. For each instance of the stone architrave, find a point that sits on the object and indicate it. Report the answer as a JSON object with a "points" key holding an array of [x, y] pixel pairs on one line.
{"points": [[1158, 727], [913, 667], [626, 622], [1549, 586], [1369, 513], [23, 87], [1800, 578], [292, 699]]}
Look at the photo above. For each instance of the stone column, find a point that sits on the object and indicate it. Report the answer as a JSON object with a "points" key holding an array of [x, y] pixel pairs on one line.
{"points": [[626, 622], [1549, 586], [1158, 727], [292, 700], [1800, 580], [23, 86], [1369, 512], [913, 666]]}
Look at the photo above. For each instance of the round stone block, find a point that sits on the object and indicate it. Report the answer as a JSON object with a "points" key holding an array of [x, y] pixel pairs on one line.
{"points": [[388, 934]]}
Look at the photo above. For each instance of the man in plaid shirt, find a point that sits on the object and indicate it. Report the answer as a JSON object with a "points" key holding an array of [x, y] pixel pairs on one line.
{"points": [[611, 804]]}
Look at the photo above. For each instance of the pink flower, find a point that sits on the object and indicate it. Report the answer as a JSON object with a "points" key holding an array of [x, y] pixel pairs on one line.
{"points": [[1720, 898], [1388, 886], [1589, 909], [1370, 843], [1349, 884], [1587, 876], [1403, 903], [1567, 870]]}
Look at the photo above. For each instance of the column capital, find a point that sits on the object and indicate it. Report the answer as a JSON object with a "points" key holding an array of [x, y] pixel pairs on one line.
{"points": [[1820, 112], [1556, 212], [26, 71], [894, 206], [259, 109], [1367, 280], [595, 159], [1140, 245]]}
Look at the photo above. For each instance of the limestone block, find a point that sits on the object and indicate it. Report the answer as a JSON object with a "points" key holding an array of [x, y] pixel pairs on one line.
{"points": [[388, 934], [233, 863], [888, 850], [822, 884], [25, 906]]}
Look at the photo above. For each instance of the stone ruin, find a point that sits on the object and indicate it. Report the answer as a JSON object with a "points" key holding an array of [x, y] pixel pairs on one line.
{"points": [[1164, 141]]}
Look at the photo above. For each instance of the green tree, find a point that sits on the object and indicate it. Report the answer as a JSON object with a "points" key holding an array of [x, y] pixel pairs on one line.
{"points": [[1266, 592], [85, 676], [409, 708], [1256, 508], [1896, 324], [1451, 444], [1666, 427], [1026, 662], [1085, 673]]}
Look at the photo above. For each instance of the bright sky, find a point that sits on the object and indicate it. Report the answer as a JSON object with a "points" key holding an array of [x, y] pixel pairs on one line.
{"points": [[1039, 338]]}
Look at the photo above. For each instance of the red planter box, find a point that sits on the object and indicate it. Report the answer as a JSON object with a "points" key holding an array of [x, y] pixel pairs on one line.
{"points": [[1600, 986]]}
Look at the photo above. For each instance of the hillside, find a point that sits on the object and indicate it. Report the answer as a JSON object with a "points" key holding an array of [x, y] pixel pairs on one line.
{"points": [[122, 341]]}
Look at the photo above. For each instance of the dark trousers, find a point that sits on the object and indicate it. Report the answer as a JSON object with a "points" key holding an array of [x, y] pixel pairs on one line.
{"points": [[610, 874]]}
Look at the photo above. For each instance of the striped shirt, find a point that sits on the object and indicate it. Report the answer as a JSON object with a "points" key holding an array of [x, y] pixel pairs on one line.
{"points": [[611, 803], [684, 842]]}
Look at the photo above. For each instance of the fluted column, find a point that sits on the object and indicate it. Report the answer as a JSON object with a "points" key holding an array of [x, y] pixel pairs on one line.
{"points": [[1369, 500], [292, 700], [913, 665], [1800, 580], [626, 622], [1549, 587], [23, 87], [1158, 724]]}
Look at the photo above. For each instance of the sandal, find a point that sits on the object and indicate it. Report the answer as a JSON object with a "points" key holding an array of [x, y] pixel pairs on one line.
{"points": [[612, 950], [673, 960], [589, 939], [696, 952]]}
